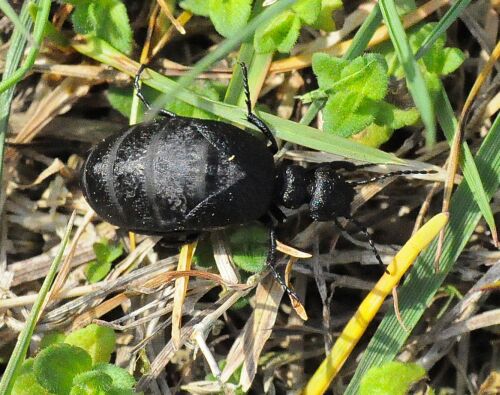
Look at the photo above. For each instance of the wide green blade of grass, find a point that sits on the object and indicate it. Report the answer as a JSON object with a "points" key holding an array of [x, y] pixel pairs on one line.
{"points": [[423, 282]]}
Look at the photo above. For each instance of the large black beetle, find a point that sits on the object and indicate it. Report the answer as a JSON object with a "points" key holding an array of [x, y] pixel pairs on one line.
{"points": [[178, 177]]}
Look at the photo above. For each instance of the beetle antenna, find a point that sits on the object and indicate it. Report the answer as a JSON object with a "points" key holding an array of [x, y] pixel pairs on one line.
{"points": [[390, 174], [251, 117], [271, 264], [363, 230], [140, 94]]}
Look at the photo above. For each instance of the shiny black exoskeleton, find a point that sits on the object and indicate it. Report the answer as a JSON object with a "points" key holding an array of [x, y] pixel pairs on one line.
{"points": [[178, 177]]}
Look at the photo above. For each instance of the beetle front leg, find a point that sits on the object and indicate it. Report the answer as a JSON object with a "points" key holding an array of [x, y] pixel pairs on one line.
{"points": [[252, 118], [142, 98]]}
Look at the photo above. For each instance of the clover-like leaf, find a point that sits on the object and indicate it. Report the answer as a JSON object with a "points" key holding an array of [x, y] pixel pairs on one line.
{"points": [[345, 114], [98, 341], [229, 16], [307, 10], [57, 365], [393, 378], [281, 34]]}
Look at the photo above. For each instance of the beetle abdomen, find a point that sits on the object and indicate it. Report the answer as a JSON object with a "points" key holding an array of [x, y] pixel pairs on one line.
{"points": [[179, 174]]}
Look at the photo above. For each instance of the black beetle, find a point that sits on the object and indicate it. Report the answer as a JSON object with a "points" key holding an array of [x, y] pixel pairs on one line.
{"points": [[178, 177]]}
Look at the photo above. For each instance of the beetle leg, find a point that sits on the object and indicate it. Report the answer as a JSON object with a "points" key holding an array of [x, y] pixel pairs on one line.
{"points": [[271, 263], [251, 117], [363, 230], [142, 98]]}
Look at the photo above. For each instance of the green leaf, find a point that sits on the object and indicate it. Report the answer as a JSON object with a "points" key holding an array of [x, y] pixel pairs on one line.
{"points": [[307, 10], [327, 69], [393, 378], [91, 383], [249, 246], [197, 7], [52, 338], [325, 20], [450, 59], [395, 118], [344, 115], [26, 384], [57, 365], [280, 34], [120, 377], [105, 252], [229, 16], [27, 366], [98, 341], [95, 271], [374, 135], [107, 19]]}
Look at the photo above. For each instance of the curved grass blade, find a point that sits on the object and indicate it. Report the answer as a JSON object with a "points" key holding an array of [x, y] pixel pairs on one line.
{"points": [[24, 339], [422, 282], [414, 77], [369, 307], [284, 129], [443, 24]]}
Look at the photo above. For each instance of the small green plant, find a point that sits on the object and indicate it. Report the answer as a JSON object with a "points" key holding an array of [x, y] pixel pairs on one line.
{"points": [[395, 378], [354, 92], [281, 34], [76, 364], [105, 254]]}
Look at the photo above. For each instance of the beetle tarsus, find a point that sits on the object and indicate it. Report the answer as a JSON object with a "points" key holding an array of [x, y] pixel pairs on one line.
{"points": [[251, 117]]}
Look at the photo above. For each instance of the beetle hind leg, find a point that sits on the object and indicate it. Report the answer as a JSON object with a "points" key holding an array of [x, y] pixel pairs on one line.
{"points": [[139, 93], [251, 117]]}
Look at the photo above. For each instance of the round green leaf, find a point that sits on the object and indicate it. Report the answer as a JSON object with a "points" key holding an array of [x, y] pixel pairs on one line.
{"points": [[52, 338], [98, 341], [57, 365], [97, 270], [26, 384], [120, 377], [91, 383], [229, 16]]}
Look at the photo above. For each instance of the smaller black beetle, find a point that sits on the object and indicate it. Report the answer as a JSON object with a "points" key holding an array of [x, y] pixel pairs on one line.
{"points": [[178, 177]]}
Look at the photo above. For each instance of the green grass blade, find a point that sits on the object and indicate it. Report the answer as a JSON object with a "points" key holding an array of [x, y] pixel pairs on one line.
{"points": [[449, 123], [364, 34], [284, 129], [24, 339], [422, 282], [443, 24], [223, 49], [414, 77], [9, 12]]}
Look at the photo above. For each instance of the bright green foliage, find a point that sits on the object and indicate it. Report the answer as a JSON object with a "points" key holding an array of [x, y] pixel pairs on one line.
{"points": [[66, 369], [121, 100], [325, 20], [197, 7], [229, 16], [393, 378], [98, 341], [283, 31], [307, 10], [26, 384], [107, 19], [249, 246], [57, 365], [355, 92], [52, 338], [105, 254], [281, 34], [120, 377], [439, 60], [91, 383]]}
